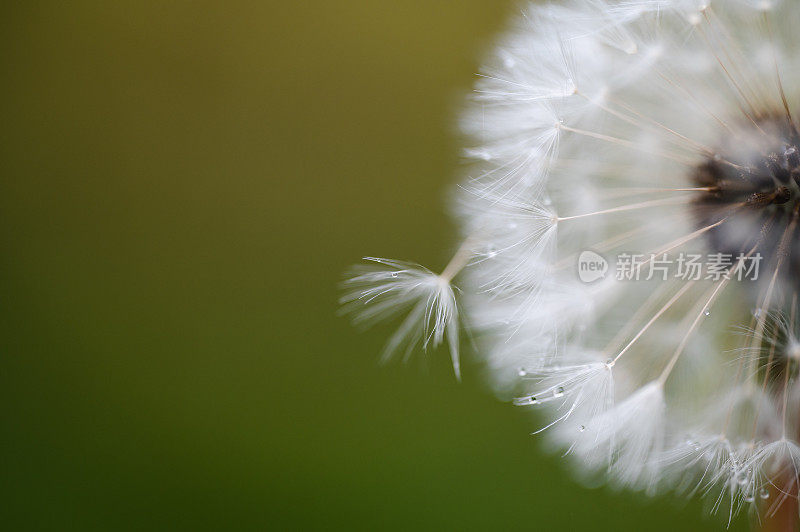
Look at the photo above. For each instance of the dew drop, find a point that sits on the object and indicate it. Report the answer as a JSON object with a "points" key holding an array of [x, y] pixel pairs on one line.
{"points": [[534, 400], [558, 392], [581, 428], [707, 312], [749, 498], [522, 372], [763, 493], [395, 275]]}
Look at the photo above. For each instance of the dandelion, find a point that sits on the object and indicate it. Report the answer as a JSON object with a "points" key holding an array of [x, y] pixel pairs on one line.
{"points": [[636, 128]]}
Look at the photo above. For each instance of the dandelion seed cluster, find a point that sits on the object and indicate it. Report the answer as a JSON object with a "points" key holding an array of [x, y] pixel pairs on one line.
{"points": [[650, 126]]}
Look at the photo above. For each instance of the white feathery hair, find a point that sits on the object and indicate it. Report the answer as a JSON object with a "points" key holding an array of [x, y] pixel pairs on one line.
{"points": [[622, 126], [389, 287]]}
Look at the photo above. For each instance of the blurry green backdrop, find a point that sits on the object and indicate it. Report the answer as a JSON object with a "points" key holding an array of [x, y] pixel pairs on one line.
{"points": [[183, 184]]}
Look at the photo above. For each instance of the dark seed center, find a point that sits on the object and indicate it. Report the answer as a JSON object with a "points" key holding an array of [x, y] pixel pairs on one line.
{"points": [[755, 188]]}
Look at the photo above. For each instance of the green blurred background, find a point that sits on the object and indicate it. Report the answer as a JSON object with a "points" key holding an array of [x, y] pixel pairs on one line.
{"points": [[183, 184]]}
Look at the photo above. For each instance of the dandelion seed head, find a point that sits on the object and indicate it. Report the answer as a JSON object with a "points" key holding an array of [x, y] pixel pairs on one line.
{"points": [[623, 127]]}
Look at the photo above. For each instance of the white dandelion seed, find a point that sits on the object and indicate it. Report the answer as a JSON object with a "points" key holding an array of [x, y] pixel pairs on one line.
{"points": [[575, 392], [376, 293], [634, 128], [625, 438], [772, 471]]}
